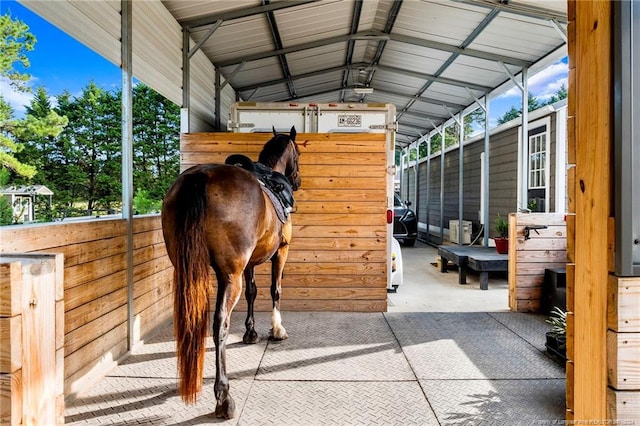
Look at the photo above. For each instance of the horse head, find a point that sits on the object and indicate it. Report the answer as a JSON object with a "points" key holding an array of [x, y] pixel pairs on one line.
{"points": [[284, 158]]}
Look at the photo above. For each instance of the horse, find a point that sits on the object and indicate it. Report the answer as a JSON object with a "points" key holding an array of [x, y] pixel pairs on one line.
{"points": [[221, 215]]}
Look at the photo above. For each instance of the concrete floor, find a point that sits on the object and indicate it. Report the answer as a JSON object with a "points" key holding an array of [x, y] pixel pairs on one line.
{"points": [[426, 289], [444, 354]]}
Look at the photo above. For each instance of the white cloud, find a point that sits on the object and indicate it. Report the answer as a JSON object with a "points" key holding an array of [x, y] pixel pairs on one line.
{"points": [[18, 100], [543, 84]]}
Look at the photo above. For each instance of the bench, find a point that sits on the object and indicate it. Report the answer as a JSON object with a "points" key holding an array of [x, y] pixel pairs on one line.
{"points": [[480, 259]]}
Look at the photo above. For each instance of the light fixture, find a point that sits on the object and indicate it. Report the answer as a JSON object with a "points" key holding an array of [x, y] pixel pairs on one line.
{"points": [[363, 90]]}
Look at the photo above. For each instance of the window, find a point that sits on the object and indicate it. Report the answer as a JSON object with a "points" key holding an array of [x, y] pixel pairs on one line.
{"points": [[537, 160]]}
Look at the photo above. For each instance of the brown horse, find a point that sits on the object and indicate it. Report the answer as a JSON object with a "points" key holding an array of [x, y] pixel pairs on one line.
{"points": [[221, 216]]}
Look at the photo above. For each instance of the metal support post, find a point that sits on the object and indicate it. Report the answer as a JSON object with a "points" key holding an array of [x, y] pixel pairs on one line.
{"points": [[127, 154]]}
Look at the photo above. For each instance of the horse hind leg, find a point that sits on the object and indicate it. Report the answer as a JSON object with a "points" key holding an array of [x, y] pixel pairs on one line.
{"points": [[229, 288], [278, 260], [250, 335]]}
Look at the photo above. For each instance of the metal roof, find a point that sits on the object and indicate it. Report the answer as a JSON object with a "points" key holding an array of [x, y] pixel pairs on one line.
{"points": [[431, 58]]}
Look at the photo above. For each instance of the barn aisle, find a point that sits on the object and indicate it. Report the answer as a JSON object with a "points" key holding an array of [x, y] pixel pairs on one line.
{"points": [[426, 289], [394, 368]]}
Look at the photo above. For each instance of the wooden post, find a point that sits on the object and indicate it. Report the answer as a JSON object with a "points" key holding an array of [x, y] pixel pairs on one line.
{"points": [[32, 332], [589, 111]]}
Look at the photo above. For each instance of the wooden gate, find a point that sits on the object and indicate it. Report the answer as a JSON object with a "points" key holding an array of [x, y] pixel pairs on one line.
{"points": [[338, 256]]}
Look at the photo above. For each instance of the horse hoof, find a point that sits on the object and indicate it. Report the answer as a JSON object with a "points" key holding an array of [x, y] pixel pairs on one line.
{"points": [[278, 334], [226, 409], [250, 337]]}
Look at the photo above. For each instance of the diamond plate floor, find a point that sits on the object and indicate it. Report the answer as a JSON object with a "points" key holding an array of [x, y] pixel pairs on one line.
{"points": [[350, 369]]}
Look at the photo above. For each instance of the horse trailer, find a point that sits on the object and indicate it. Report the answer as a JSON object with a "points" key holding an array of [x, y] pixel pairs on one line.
{"points": [[329, 118]]}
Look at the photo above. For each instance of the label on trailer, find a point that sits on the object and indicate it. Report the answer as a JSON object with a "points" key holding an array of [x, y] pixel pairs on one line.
{"points": [[350, 120]]}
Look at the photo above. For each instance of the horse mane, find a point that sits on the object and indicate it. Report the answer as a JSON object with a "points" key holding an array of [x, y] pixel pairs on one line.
{"points": [[273, 150]]}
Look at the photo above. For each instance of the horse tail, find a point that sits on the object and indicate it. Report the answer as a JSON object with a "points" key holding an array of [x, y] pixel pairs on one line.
{"points": [[192, 287]]}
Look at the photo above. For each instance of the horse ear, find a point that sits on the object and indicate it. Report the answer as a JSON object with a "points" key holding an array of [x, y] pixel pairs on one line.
{"points": [[292, 134], [274, 131]]}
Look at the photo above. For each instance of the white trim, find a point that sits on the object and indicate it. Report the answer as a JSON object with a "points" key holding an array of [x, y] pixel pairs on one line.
{"points": [[519, 169], [546, 122], [561, 161]]}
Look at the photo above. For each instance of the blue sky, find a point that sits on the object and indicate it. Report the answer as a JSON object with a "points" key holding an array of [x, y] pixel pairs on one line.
{"points": [[59, 63]]}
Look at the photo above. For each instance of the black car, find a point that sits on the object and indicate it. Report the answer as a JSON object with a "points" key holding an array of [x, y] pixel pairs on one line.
{"points": [[405, 222]]}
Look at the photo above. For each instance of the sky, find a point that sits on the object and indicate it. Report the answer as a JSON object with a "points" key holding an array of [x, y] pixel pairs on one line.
{"points": [[60, 63]]}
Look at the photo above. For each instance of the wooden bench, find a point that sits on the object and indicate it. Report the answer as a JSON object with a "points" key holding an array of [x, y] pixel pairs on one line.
{"points": [[480, 259], [484, 263]]}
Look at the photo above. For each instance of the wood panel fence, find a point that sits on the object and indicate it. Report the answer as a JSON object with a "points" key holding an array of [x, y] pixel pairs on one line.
{"points": [[338, 256], [96, 319], [32, 336], [545, 248]]}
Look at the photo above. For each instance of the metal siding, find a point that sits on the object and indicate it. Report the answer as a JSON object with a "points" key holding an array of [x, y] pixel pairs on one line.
{"points": [[157, 49], [96, 25]]}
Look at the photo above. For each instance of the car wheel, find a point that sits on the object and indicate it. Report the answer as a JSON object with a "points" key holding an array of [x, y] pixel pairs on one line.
{"points": [[409, 243]]}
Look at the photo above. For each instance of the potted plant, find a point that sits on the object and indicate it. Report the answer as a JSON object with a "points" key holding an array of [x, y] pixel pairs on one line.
{"points": [[557, 336], [502, 228]]}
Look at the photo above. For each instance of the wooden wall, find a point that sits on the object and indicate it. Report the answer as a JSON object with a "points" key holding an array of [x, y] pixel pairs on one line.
{"points": [[338, 256], [528, 258], [623, 349], [95, 288], [32, 336]]}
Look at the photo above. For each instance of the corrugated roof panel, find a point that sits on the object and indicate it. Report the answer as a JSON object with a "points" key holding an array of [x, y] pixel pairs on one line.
{"points": [[512, 35], [186, 10], [429, 108], [448, 93], [237, 38], [368, 15], [440, 38], [300, 25], [443, 21], [386, 97], [319, 58], [272, 93], [395, 82], [480, 71], [413, 57], [317, 84], [254, 72]]}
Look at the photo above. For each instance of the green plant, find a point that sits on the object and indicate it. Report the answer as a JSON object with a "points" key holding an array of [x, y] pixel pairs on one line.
{"points": [[144, 204], [558, 322], [502, 226]]}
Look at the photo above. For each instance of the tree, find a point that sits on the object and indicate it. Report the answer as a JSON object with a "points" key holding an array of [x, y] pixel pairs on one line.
{"points": [[533, 104], [92, 142], [156, 131], [15, 42], [560, 94]]}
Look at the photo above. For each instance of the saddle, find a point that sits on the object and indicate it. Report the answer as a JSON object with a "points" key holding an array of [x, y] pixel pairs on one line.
{"points": [[276, 185]]}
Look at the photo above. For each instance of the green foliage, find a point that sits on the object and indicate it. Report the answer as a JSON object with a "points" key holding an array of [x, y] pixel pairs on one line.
{"points": [[82, 163], [6, 211], [533, 104], [75, 147], [558, 322], [502, 226], [143, 204], [15, 42]]}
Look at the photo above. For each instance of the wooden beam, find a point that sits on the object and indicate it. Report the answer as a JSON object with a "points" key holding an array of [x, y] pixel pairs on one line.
{"points": [[591, 95]]}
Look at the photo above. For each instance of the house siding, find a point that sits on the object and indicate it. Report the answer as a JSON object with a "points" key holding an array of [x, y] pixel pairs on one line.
{"points": [[503, 181]]}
